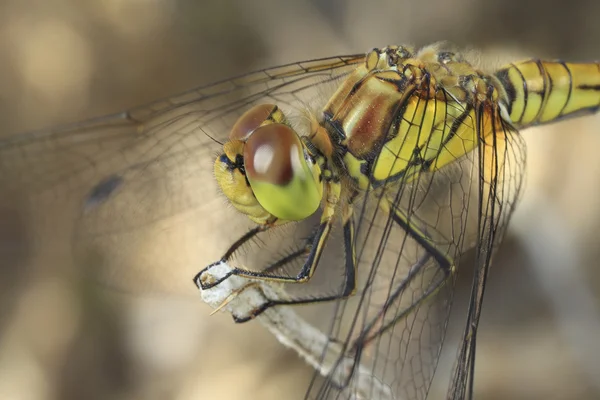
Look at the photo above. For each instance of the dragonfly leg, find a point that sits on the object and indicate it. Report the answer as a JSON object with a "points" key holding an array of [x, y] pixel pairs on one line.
{"points": [[376, 327], [349, 286], [314, 249], [420, 236]]}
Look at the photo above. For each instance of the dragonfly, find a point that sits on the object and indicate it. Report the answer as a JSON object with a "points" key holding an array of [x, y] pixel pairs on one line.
{"points": [[352, 185]]}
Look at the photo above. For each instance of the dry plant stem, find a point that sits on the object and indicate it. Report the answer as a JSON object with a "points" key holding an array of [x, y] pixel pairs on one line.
{"points": [[241, 296]]}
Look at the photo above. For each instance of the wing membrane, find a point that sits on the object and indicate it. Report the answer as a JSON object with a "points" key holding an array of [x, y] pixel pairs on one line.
{"points": [[502, 161], [398, 323], [164, 133], [127, 176]]}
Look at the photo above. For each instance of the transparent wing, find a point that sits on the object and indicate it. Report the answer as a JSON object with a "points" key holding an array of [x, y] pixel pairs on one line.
{"points": [[502, 161], [395, 325], [130, 172]]}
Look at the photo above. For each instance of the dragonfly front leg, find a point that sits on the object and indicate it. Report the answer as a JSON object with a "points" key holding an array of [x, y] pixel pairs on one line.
{"points": [[312, 246], [349, 286], [313, 250]]}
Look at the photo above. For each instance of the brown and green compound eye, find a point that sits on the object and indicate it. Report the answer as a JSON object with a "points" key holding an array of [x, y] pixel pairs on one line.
{"points": [[282, 180], [251, 120]]}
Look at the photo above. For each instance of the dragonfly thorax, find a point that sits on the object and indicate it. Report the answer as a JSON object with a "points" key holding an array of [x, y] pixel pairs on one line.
{"points": [[400, 114], [266, 171]]}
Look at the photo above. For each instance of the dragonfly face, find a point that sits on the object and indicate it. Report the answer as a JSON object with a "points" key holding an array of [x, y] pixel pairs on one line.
{"points": [[266, 171]]}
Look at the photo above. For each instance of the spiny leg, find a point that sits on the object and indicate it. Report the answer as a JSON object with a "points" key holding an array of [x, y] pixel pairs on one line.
{"points": [[349, 271], [371, 331], [232, 249], [445, 263], [378, 324], [349, 261], [316, 248]]}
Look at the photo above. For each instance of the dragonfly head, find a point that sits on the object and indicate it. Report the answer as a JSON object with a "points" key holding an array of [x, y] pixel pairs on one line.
{"points": [[266, 171]]}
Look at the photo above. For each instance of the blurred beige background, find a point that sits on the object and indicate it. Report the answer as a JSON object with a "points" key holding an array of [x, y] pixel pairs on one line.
{"points": [[67, 60]]}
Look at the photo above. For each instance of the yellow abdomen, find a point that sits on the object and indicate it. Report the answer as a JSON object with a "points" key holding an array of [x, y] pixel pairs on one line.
{"points": [[544, 91]]}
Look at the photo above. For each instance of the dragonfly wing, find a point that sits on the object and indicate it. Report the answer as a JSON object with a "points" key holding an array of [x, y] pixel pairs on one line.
{"points": [[396, 324], [126, 174], [502, 162]]}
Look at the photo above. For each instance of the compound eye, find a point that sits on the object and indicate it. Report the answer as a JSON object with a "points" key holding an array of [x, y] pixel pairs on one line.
{"points": [[251, 120], [272, 153], [284, 180]]}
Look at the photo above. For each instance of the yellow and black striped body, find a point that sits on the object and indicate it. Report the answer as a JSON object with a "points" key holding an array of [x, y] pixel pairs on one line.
{"points": [[401, 113], [545, 91]]}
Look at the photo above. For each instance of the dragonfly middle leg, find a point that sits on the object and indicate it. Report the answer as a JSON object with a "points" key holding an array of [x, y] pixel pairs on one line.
{"points": [[347, 289], [313, 250], [420, 236]]}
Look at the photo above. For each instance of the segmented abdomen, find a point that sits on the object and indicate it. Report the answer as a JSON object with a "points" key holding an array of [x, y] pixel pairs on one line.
{"points": [[545, 91]]}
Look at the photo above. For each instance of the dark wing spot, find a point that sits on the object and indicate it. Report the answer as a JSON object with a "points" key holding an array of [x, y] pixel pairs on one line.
{"points": [[102, 191]]}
